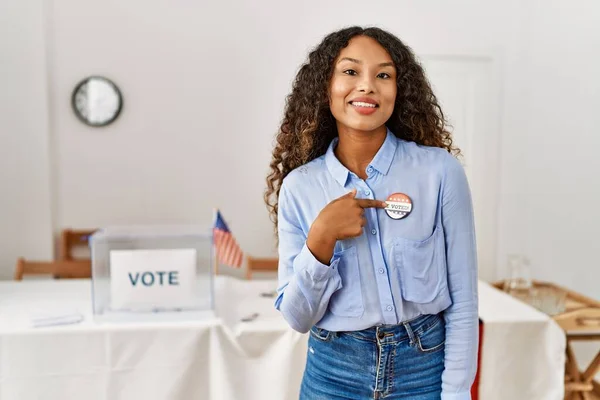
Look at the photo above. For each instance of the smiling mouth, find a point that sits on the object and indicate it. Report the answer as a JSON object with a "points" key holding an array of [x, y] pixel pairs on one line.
{"points": [[363, 104]]}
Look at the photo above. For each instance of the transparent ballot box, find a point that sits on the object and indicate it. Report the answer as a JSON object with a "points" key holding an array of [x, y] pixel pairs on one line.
{"points": [[152, 273]]}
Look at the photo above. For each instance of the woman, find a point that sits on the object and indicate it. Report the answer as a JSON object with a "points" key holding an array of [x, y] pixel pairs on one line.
{"points": [[375, 227]]}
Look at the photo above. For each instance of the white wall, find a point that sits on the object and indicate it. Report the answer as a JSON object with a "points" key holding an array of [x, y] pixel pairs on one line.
{"points": [[25, 217], [550, 139], [204, 87], [550, 175]]}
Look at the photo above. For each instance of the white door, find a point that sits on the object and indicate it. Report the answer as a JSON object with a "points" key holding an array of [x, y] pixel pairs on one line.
{"points": [[467, 87]]}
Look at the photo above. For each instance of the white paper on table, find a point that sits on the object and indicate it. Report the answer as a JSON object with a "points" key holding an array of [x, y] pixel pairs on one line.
{"points": [[54, 315], [152, 279]]}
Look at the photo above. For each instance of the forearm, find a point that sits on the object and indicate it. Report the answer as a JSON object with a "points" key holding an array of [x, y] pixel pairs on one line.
{"points": [[304, 299]]}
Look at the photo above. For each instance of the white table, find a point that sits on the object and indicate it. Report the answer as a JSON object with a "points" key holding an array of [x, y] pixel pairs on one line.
{"points": [[224, 358], [523, 350], [219, 358]]}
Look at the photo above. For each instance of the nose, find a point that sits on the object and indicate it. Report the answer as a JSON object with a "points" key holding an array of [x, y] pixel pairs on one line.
{"points": [[366, 84]]}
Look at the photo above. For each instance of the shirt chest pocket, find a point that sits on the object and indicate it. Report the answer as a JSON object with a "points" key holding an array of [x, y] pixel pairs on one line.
{"points": [[348, 301], [421, 266]]}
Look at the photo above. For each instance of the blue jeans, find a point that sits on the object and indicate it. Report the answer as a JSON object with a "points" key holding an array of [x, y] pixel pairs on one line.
{"points": [[403, 361]]}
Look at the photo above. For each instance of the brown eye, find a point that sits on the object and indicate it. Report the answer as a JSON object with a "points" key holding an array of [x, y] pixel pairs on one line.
{"points": [[384, 75], [350, 72]]}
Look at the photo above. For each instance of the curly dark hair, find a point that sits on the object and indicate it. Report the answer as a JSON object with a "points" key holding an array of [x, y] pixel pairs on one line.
{"points": [[308, 125]]}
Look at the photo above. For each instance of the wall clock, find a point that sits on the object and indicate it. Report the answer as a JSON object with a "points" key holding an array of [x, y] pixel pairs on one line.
{"points": [[97, 101]]}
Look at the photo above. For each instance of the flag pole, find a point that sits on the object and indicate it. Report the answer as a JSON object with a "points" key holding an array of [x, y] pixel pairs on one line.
{"points": [[214, 250]]}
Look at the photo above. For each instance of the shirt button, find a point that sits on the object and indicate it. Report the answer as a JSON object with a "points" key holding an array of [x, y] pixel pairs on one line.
{"points": [[381, 271], [367, 192], [370, 169], [389, 308], [374, 231]]}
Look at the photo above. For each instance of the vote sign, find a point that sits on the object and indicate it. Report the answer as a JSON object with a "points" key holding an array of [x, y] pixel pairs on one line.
{"points": [[152, 279]]}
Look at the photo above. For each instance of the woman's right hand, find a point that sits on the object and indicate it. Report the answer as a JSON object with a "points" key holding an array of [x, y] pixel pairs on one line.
{"points": [[342, 218]]}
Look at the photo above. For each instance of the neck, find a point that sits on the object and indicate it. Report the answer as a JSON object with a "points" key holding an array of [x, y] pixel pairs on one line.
{"points": [[356, 149]]}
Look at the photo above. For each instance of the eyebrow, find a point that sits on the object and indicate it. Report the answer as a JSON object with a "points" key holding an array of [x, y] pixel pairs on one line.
{"points": [[354, 60]]}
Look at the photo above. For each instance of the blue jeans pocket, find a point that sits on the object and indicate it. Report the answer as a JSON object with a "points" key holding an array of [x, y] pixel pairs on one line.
{"points": [[433, 338], [320, 334]]}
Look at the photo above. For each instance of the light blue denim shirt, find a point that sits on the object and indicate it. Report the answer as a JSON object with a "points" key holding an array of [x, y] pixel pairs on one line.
{"points": [[398, 269]]}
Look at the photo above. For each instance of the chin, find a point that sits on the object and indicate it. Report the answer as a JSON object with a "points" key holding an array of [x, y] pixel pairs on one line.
{"points": [[365, 126]]}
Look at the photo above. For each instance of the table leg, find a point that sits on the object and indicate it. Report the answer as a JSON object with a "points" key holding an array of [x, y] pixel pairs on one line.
{"points": [[579, 385], [571, 366], [591, 370], [572, 387]]}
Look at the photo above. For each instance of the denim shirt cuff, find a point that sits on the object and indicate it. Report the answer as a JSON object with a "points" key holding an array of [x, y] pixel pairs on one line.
{"points": [[456, 396], [314, 267]]}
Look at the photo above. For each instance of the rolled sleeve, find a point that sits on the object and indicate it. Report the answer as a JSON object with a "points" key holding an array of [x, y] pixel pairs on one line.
{"points": [[305, 284], [313, 267]]}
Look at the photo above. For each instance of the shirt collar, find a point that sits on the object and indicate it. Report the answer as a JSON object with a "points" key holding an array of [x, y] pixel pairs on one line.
{"points": [[381, 162]]}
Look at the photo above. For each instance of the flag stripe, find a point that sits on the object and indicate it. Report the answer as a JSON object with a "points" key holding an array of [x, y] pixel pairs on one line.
{"points": [[228, 252]]}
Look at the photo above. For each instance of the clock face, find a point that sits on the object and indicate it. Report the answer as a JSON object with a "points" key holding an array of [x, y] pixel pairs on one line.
{"points": [[97, 101]]}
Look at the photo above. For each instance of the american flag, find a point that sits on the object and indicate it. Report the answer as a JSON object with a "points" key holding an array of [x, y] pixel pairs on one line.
{"points": [[227, 250]]}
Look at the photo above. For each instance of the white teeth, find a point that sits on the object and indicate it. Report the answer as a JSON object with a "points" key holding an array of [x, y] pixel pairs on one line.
{"points": [[361, 104]]}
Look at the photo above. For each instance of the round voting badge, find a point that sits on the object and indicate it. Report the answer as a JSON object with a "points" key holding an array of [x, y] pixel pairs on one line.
{"points": [[399, 205]]}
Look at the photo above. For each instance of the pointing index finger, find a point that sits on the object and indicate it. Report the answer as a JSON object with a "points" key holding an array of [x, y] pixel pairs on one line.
{"points": [[368, 203]]}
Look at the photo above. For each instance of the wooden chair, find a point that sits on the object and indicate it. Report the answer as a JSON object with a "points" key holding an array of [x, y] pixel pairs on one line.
{"points": [[58, 269], [70, 240], [254, 264]]}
